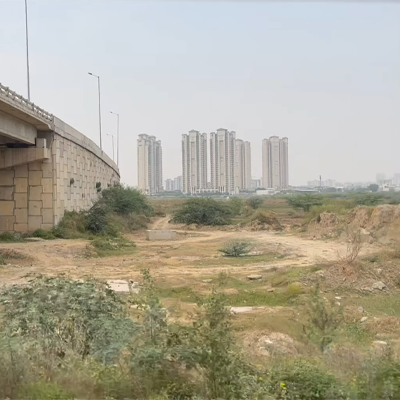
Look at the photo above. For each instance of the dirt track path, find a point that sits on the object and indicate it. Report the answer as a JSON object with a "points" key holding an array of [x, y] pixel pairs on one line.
{"points": [[68, 256]]}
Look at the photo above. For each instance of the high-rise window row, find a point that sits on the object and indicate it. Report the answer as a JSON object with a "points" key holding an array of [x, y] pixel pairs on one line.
{"points": [[149, 159]]}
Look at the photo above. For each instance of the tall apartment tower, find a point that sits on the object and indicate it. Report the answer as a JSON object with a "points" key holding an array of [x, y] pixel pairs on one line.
{"points": [[222, 160], [275, 163], [149, 159], [242, 165], [194, 162]]}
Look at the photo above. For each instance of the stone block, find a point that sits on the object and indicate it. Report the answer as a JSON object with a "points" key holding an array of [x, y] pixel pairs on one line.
{"points": [[47, 227], [21, 171], [35, 166], [6, 208], [35, 207], [21, 215], [47, 200], [21, 200], [7, 177], [47, 184], [34, 222], [7, 223], [47, 170], [160, 235], [35, 178], [21, 227], [35, 193], [6, 192], [21, 185], [47, 214]]}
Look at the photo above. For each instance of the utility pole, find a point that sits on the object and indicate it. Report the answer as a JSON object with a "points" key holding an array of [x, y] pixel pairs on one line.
{"points": [[27, 50], [98, 88]]}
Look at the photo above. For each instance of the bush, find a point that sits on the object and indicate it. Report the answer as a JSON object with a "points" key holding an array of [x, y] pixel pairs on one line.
{"points": [[299, 380], [43, 391], [71, 226], [236, 203], [304, 201], [41, 233], [236, 248], [367, 199], [203, 212], [125, 200], [10, 237], [255, 202]]}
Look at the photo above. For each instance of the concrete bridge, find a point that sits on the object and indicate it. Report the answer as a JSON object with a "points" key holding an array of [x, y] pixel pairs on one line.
{"points": [[46, 167]]}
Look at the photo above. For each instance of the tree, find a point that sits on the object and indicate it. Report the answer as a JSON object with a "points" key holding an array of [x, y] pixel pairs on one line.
{"points": [[255, 202], [203, 212], [305, 201], [236, 204], [373, 187]]}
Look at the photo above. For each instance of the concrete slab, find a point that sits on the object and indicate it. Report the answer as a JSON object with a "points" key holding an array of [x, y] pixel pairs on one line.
{"points": [[123, 286], [160, 235]]}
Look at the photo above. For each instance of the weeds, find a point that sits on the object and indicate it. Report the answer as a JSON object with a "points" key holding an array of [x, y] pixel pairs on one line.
{"points": [[236, 248], [354, 246]]}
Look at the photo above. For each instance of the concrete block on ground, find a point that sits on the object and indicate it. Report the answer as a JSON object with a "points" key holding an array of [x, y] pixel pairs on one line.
{"points": [[6, 192], [160, 235], [6, 208], [21, 200], [120, 285], [21, 185], [7, 177], [7, 223]]}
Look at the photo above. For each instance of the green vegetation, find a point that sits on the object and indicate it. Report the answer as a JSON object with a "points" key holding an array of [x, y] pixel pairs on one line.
{"points": [[236, 248], [255, 202], [305, 201], [42, 234], [203, 211], [104, 246], [236, 203], [9, 237]]}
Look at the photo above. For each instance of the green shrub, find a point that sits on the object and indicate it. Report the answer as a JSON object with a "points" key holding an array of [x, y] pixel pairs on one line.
{"points": [[71, 226], [10, 237], [64, 315], [105, 246], [43, 391], [98, 221], [203, 212], [41, 233], [304, 201], [300, 380], [236, 203], [125, 200], [294, 289], [236, 248], [255, 202], [367, 199]]}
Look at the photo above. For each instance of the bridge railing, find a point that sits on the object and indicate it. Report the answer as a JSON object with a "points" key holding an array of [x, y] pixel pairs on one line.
{"points": [[24, 103]]}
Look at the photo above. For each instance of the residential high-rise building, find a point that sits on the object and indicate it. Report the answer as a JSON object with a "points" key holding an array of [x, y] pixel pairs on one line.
{"points": [[275, 163], [149, 159], [242, 165], [169, 185], [194, 162], [178, 183], [222, 161]]}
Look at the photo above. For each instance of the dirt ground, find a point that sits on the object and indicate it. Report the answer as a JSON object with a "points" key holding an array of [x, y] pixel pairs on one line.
{"points": [[193, 254]]}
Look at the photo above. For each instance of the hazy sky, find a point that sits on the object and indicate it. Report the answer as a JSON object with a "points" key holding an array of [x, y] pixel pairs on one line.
{"points": [[325, 75]]}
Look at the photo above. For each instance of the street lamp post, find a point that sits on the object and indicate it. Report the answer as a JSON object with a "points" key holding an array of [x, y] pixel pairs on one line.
{"points": [[117, 136], [98, 86], [27, 49], [112, 137]]}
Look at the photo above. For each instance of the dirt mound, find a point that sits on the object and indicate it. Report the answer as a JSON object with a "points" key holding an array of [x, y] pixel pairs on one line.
{"points": [[382, 223], [325, 225], [265, 221]]}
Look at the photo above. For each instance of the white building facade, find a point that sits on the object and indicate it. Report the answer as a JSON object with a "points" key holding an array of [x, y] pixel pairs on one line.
{"points": [[194, 162], [242, 165], [275, 163], [149, 167]]}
